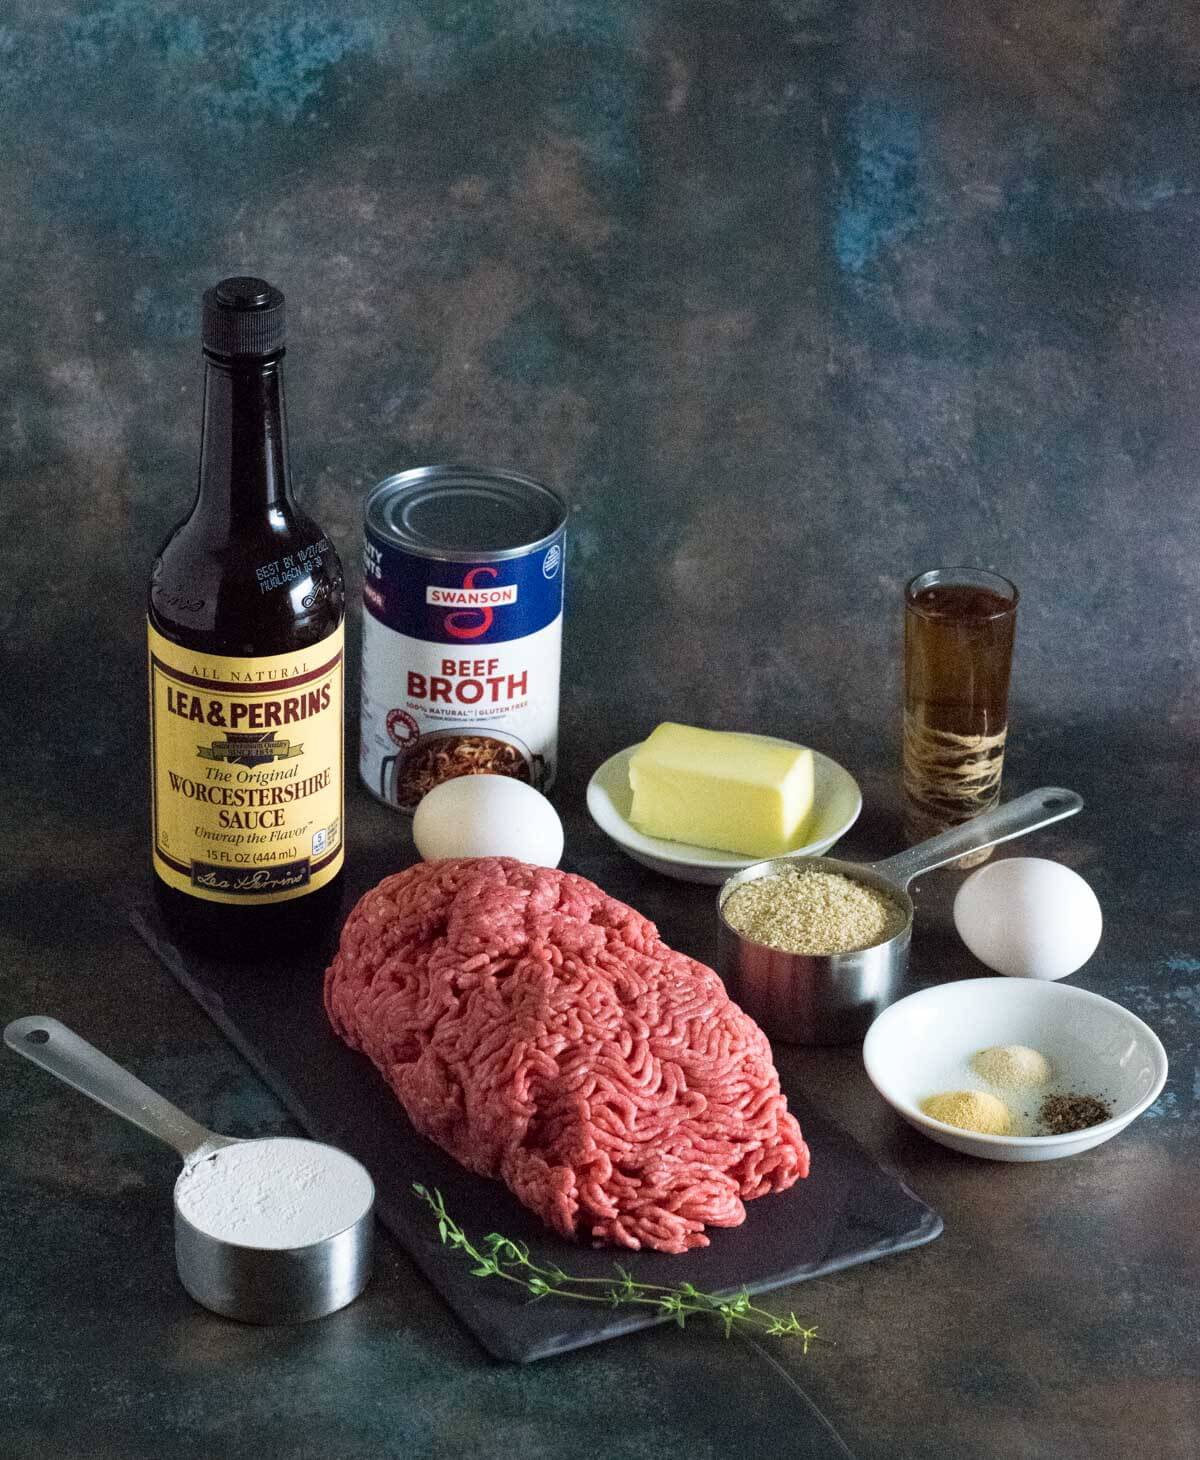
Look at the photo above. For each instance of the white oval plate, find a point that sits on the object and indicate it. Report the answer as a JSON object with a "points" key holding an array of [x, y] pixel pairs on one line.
{"points": [[837, 801], [923, 1044]]}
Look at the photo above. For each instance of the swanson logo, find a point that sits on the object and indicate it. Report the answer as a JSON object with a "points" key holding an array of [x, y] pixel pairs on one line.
{"points": [[249, 750], [474, 603]]}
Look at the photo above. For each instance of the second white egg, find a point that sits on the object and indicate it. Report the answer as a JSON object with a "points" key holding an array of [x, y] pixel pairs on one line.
{"points": [[488, 816], [1028, 917]]}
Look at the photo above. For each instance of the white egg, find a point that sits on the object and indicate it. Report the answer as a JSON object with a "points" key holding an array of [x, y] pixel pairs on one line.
{"points": [[1028, 917], [488, 816]]}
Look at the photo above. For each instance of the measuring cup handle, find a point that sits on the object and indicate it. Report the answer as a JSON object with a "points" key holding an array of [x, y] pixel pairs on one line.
{"points": [[1014, 818], [77, 1063]]}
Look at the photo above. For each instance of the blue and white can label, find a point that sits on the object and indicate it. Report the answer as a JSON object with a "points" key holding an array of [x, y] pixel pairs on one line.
{"points": [[461, 665]]}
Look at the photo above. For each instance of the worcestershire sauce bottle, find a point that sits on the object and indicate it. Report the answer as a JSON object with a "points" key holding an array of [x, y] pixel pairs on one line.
{"points": [[245, 626]]}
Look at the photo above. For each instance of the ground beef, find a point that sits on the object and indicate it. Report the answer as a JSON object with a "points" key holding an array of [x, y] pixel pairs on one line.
{"points": [[543, 1033]]}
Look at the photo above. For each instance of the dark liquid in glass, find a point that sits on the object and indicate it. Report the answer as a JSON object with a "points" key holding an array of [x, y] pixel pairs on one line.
{"points": [[958, 642]]}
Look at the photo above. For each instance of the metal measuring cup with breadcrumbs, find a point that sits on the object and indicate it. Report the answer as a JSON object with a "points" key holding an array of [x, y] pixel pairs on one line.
{"points": [[812, 992]]}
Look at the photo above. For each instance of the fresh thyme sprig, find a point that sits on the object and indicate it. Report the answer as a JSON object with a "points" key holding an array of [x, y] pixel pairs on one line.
{"points": [[501, 1257]]}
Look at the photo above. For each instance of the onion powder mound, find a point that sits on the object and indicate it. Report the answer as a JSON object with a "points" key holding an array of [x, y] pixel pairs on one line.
{"points": [[1011, 1066]]}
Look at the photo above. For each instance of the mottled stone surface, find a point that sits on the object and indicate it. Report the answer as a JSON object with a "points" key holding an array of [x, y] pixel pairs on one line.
{"points": [[791, 300]]}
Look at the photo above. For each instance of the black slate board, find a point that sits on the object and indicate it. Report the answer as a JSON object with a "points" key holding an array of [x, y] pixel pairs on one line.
{"points": [[849, 1210]]}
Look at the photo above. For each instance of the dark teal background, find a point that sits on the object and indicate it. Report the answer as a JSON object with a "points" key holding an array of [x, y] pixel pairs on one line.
{"points": [[791, 299]]}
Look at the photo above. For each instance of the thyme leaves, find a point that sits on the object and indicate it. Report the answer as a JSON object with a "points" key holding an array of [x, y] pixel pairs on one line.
{"points": [[497, 1256]]}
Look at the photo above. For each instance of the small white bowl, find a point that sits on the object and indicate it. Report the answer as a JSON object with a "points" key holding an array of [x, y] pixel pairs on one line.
{"points": [[837, 801], [923, 1044]]}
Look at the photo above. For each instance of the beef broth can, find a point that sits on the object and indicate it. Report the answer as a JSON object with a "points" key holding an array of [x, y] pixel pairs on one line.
{"points": [[462, 630]]}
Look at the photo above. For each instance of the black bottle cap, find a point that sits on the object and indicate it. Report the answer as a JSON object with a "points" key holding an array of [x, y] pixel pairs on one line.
{"points": [[243, 316]]}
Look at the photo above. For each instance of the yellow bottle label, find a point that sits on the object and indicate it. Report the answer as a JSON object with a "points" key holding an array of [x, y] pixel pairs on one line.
{"points": [[246, 771]]}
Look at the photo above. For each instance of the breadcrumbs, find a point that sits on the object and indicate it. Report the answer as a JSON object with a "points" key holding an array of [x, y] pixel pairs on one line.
{"points": [[802, 910]]}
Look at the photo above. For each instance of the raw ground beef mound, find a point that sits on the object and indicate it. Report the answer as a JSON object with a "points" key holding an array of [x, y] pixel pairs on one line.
{"points": [[542, 1032]]}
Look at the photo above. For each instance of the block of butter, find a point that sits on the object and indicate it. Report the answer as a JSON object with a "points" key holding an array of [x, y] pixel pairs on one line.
{"points": [[712, 788]]}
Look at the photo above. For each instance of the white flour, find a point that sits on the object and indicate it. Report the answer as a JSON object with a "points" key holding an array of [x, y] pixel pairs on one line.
{"points": [[277, 1192]]}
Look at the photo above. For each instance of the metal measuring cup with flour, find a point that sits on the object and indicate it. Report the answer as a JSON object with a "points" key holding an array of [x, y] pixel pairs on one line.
{"points": [[273, 1230]]}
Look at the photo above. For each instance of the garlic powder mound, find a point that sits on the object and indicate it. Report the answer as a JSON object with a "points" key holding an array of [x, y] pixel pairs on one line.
{"points": [[972, 1110]]}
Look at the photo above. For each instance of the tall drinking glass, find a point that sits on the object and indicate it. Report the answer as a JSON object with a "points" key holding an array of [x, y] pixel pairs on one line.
{"points": [[958, 643]]}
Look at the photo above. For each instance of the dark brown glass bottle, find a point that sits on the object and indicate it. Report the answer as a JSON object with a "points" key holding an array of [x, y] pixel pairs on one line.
{"points": [[246, 607]]}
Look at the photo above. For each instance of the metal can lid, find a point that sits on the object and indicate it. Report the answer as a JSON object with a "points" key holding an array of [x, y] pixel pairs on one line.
{"points": [[462, 513]]}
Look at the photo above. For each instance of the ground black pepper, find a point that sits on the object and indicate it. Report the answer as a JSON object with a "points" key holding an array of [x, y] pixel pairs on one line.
{"points": [[1061, 1114]]}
